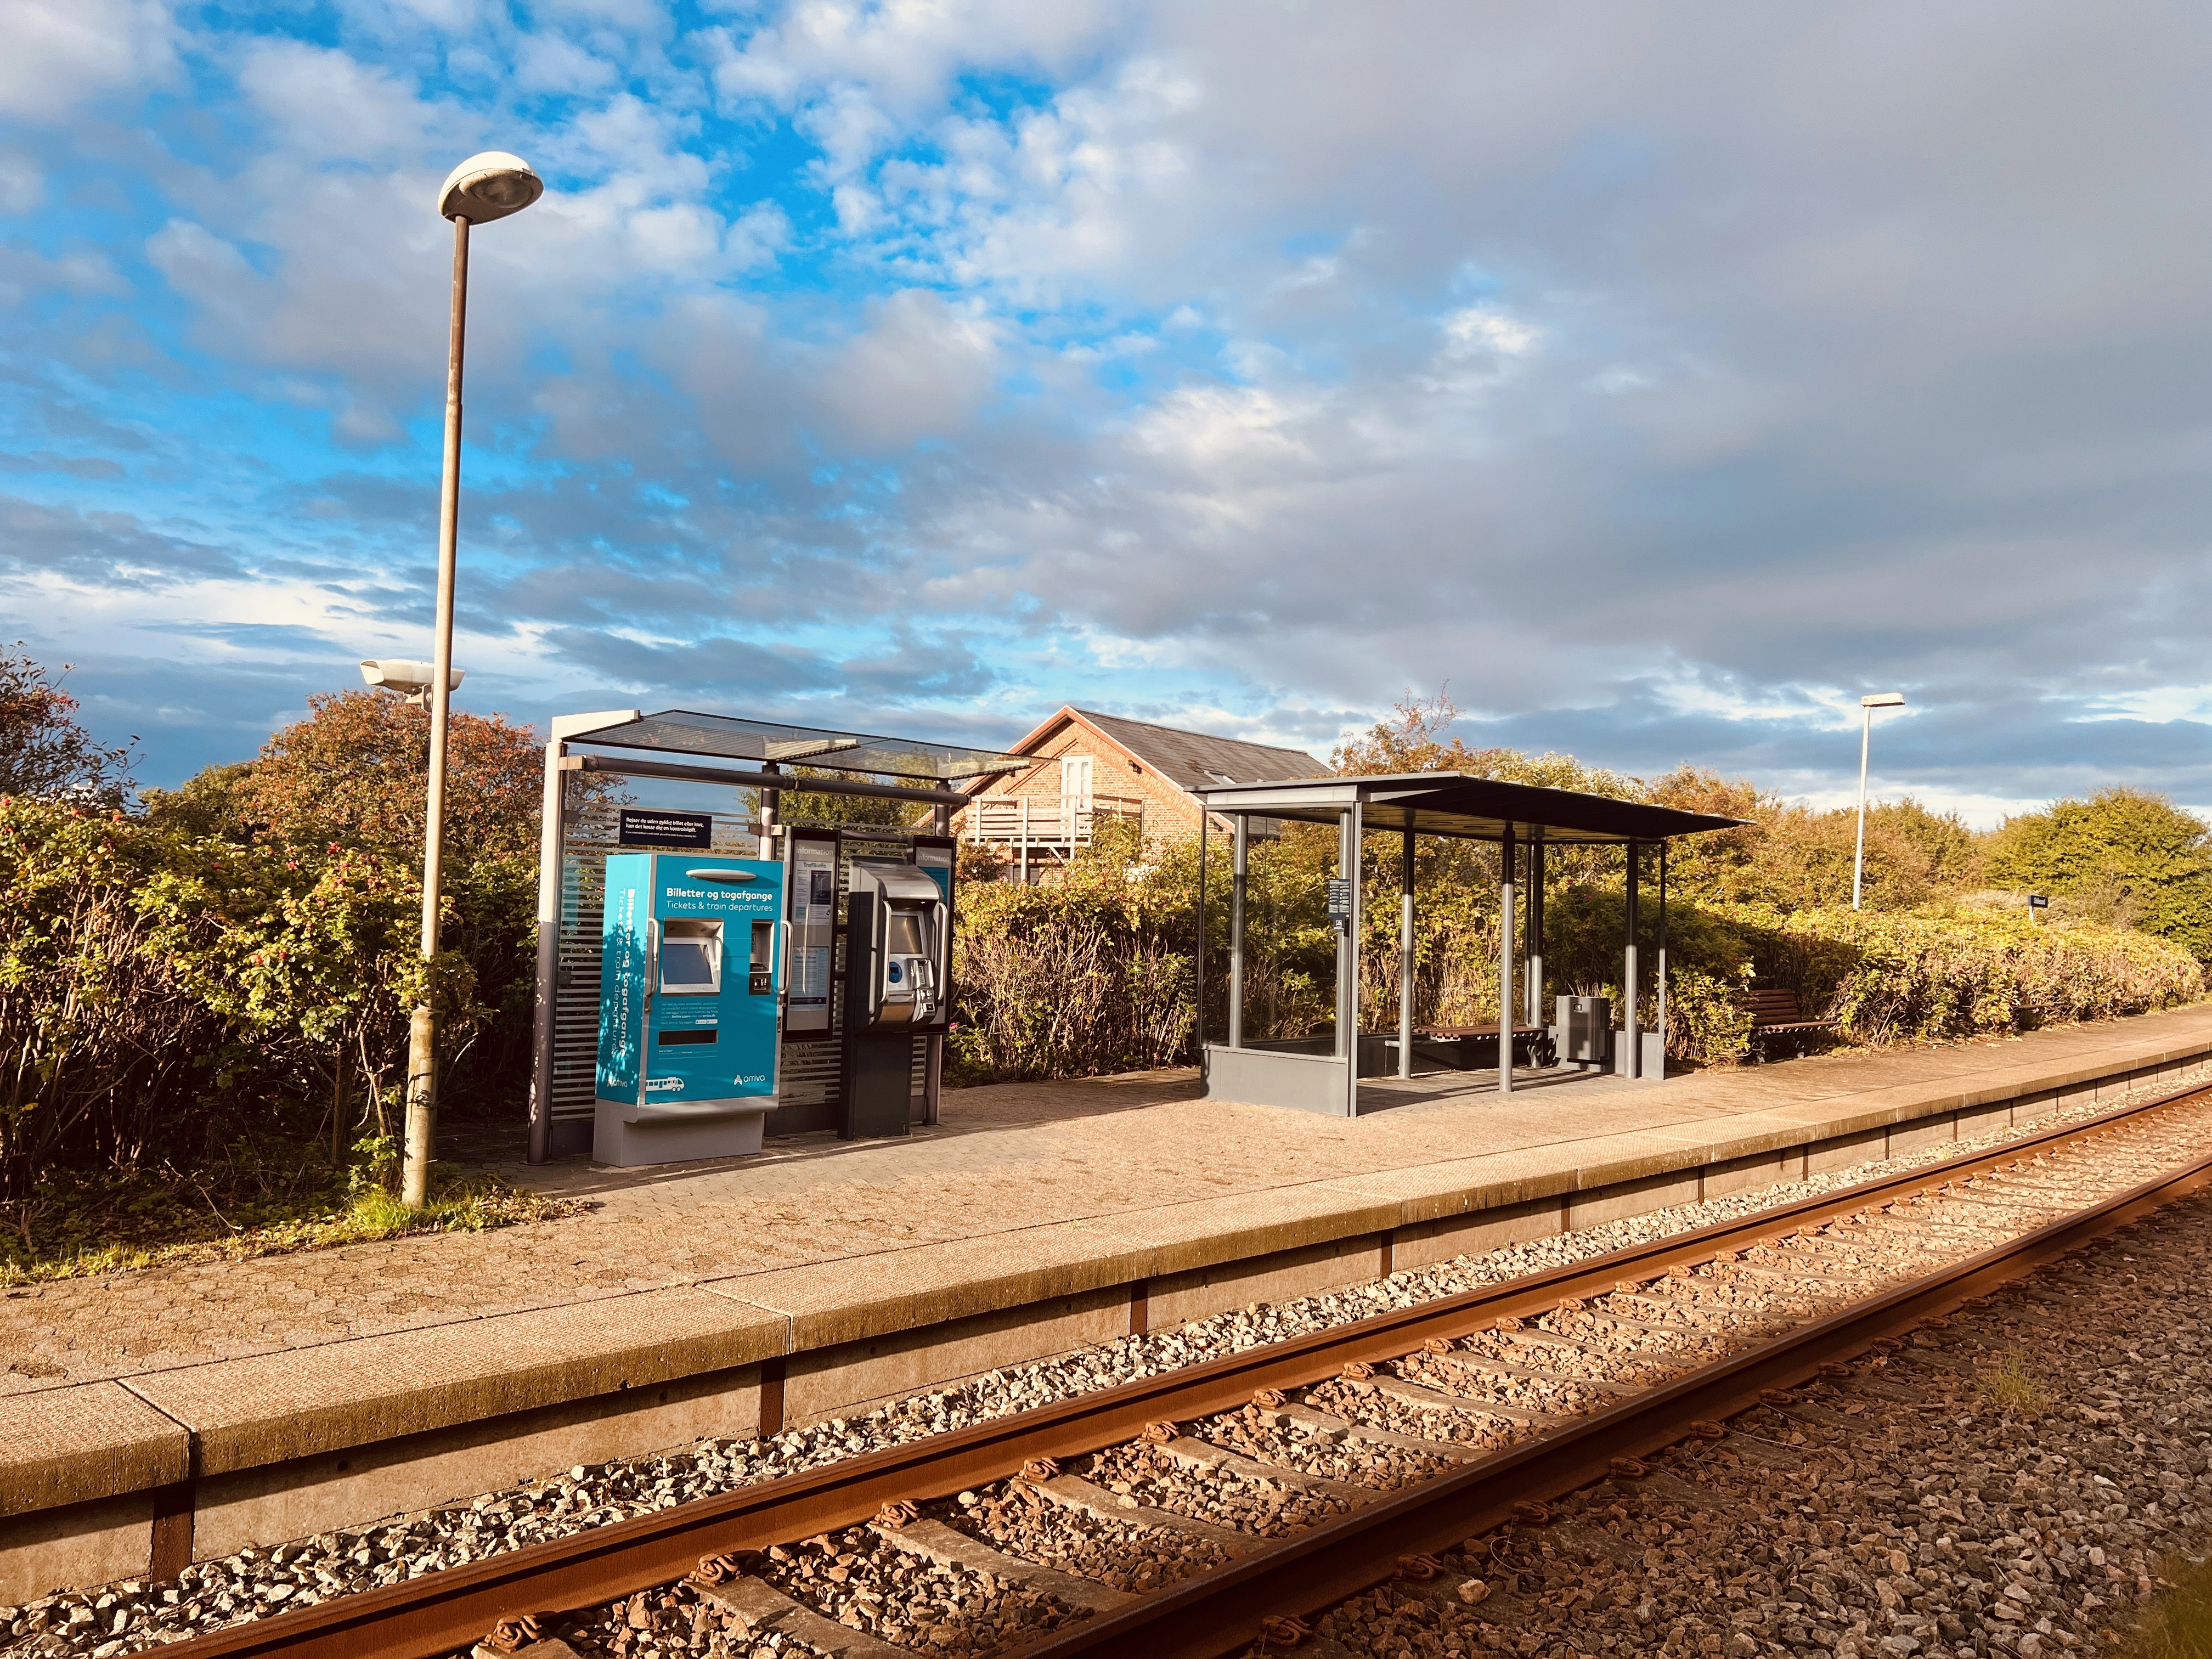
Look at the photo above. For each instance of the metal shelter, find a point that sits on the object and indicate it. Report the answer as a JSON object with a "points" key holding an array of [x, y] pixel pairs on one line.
{"points": [[1297, 1071], [718, 782]]}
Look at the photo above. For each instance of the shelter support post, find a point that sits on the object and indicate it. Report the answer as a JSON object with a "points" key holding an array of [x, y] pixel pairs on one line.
{"points": [[1661, 1021], [1345, 1042], [1240, 867], [771, 801], [552, 845], [1629, 1066], [1535, 952], [1507, 851], [1406, 955], [1348, 960], [1204, 823]]}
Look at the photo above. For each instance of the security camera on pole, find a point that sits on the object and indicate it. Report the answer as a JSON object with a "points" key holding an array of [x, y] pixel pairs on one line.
{"points": [[483, 188], [1867, 706]]}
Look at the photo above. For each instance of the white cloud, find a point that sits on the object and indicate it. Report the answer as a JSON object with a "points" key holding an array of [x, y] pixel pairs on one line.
{"points": [[79, 272], [906, 51], [920, 370], [1485, 329], [322, 104], [58, 53], [22, 186], [552, 63], [1215, 431]]}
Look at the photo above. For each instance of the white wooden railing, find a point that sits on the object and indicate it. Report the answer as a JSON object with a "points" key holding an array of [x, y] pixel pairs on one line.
{"points": [[1046, 820]]}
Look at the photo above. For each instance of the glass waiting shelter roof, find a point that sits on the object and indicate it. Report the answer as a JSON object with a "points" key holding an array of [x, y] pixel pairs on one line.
{"points": [[1454, 804], [733, 736]]}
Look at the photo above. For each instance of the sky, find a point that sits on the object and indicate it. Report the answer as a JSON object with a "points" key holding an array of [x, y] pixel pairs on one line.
{"points": [[1655, 380]]}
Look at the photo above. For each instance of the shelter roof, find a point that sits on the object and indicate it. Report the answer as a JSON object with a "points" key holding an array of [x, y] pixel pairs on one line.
{"points": [[1454, 804], [733, 736], [1195, 760]]}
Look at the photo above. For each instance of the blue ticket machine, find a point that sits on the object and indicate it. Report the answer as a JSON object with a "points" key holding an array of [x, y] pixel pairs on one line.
{"points": [[689, 988]]}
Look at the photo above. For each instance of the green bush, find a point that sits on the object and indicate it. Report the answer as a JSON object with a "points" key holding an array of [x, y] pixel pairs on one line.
{"points": [[163, 993], [1088, 974], [1091, 971], [2123, 855], [1957, 972]]}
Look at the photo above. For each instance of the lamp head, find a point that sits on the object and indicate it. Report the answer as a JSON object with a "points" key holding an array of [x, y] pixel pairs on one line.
{"points": [[409, 680], [488, 186], [1883, 700]]}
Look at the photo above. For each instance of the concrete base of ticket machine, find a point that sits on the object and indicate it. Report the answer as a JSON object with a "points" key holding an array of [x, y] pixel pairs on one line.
{"points": [[689, 984], [627, 1136]]}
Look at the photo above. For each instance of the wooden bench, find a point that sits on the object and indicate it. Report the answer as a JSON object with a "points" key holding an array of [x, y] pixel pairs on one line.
{"points": [[1777, 1020], [1474, 1047]]}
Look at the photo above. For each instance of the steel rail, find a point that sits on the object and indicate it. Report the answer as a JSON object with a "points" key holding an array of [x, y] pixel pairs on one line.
{"points": [[443, 1612], [1220, 1612]]}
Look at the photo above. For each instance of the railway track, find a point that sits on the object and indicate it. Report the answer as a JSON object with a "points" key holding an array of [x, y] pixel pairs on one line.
{"points": [[1198, 1512]]}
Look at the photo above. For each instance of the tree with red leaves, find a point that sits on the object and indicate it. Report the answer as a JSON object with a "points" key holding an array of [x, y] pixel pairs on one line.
{"points": [[44, 753]]}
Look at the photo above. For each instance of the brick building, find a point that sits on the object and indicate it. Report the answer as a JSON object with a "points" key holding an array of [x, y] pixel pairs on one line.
{"points": [[1093, 768]]}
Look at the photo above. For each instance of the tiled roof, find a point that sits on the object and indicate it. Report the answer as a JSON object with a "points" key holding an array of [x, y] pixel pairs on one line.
{"points": [[1193, 760]]}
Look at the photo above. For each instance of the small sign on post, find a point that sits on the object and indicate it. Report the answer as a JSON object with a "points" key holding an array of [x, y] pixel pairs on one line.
{"points": [[692, 831], [1339, 898], [2037, 904]]}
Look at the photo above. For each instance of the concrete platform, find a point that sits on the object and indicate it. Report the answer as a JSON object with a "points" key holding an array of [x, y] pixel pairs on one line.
{"points": [[151, 1419]]}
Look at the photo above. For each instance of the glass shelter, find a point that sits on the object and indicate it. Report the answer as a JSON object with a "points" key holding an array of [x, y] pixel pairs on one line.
{"points": [[1323, 1073], [848, 829]]}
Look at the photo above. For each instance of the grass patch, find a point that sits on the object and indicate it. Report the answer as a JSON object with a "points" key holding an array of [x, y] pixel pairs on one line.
{"points": [[2179, 1625], [252, 1204], [2012, 1387]]}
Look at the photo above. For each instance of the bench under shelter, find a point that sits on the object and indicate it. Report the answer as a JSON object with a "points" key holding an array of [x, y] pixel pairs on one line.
{"points": [[1321, 1074]]}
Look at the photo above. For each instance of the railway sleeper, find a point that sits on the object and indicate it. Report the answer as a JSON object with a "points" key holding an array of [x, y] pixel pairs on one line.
{"points": [[1656, 1486], [766, 1608], [1750, 1448], [1195, 1453], [1549, 1343], [933, 1541], [1797, 1272], [1319, 1425], [1487, 1366], [1436, 1400], [1073, 1492], [1679, 1328]]}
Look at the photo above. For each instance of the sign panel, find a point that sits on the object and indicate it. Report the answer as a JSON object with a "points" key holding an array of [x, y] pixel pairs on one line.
{"points": [[1339, 898], [813, 930], [639, 828], [2037, 902]]}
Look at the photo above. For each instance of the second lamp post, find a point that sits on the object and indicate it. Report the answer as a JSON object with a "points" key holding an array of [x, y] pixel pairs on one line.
{"points": [[1867, 706], [483, 188]]}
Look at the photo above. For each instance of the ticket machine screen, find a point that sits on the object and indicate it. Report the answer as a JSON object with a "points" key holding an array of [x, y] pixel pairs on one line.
{"points": [[691, 957]]}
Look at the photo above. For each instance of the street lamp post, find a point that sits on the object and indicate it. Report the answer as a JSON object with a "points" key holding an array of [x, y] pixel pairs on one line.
{"points": [[1867, 706], [483, 188]]}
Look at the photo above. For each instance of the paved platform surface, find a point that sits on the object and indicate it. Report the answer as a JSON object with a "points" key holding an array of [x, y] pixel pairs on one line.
{"points": [[1017, 1175]]}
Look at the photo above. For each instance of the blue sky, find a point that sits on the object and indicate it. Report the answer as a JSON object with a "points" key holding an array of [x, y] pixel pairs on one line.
{"points": [[1658, 381]]}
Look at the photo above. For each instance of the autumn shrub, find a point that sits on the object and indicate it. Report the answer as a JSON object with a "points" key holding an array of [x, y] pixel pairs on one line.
{"points": [[1088, 974], [2123, 855], [100, 1029], [234, 965], [1091, 971], [1958, 971], [164, 992]]}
